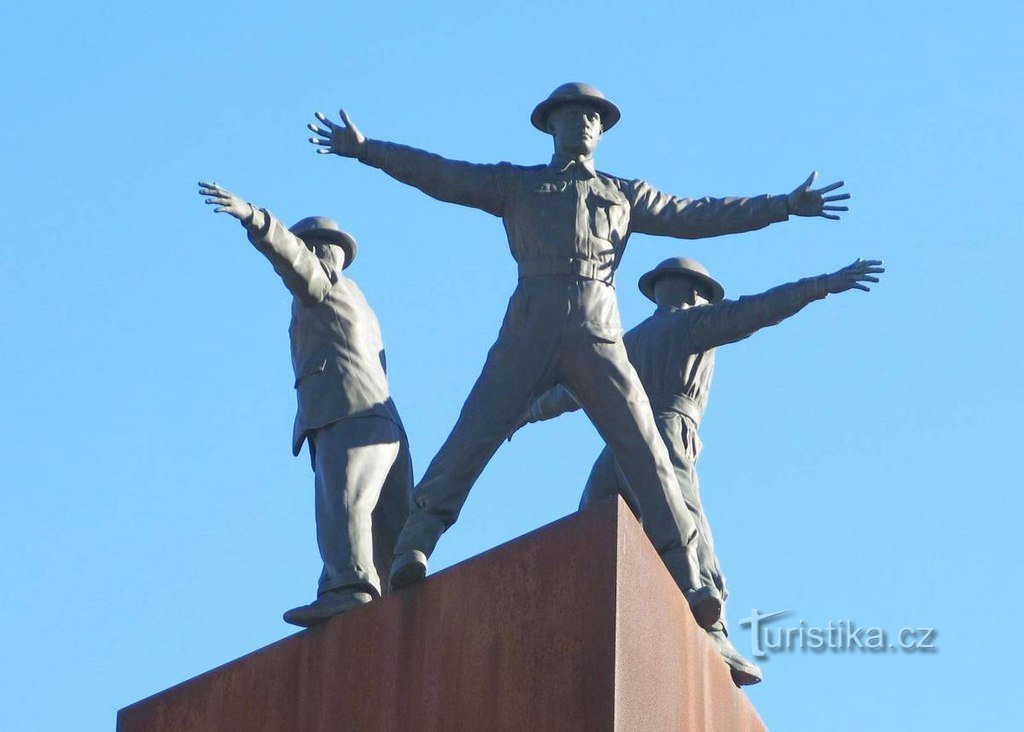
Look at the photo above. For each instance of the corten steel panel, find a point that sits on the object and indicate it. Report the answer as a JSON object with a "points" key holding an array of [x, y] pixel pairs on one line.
{"points": [[576, 626], [519, 638], [668, 674]]}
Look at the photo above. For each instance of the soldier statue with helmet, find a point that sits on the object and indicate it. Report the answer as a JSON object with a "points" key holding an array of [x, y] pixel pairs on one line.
{"points": [[673, 352], [567, 226]]}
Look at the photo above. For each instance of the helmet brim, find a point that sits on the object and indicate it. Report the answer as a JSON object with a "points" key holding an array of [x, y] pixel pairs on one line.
{"points": [[712, 286], [609, 112], [331, 236]]}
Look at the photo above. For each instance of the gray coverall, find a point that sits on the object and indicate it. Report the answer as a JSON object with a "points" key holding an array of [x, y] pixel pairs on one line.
{"points": [[673, 352], [357, 444], [567, 227]]}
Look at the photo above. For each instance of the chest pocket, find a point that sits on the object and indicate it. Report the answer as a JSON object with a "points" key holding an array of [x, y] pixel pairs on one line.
{"points": [[609, 215], [313, 367], [546, 212]]}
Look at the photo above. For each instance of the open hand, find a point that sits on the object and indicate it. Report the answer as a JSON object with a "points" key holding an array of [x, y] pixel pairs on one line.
{"points": [[853, 277], [806, 201], [344, 139], [225, 201]]}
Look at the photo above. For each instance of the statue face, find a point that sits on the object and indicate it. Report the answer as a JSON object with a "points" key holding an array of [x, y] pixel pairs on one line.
{"points": [[576, 129], [331, 255], [679, 291]]}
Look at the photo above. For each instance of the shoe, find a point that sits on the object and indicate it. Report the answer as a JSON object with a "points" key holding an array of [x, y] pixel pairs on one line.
{"points": [[705, 605], [326, 606], [408, 569], [744, 673]]}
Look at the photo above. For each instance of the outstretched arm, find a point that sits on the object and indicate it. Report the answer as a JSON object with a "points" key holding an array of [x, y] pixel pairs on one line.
{"points": [[300, 269], [654, 212], [734, 320], [454, 181]]}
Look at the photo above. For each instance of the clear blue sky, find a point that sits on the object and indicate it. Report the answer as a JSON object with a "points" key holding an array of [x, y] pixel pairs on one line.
{"points": [[859, 458]]}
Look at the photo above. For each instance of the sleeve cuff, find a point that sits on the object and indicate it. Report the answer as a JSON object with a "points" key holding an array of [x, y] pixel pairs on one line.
{"points": [[819, 287], [258, 225], [778, 207], [374, 152]]}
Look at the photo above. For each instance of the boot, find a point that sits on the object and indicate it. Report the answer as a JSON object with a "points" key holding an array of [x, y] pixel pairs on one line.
{"points": [[408, 568], [415, 544], [326, 606], [744, 673]]}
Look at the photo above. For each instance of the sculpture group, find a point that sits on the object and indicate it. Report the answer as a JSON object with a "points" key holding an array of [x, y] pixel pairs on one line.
{"points": [[560, 348]]}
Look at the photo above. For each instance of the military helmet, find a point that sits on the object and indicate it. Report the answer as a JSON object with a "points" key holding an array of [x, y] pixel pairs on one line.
{"points": [[575, 91], [682, 266], [321, 228]]}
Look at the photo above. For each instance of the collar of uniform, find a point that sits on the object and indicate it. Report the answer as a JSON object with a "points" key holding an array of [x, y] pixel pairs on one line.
{"points": [[584, 167]]}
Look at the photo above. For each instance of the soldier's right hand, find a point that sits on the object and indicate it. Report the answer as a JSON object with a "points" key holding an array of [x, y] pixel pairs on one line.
{"points": [[854, 276], [225, 201], [343, 139]]}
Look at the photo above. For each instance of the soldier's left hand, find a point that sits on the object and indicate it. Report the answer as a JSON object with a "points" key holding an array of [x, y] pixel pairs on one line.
{"points": [[807, 201], [853, 276], [225, 201]]}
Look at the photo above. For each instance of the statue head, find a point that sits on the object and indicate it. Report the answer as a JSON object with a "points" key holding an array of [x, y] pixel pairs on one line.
{"points": [[323, 236], [680, 282], [575, 115]]}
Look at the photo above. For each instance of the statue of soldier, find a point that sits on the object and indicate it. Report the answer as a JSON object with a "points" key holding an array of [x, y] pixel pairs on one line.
{"points": [[567, 226], [357, 444], [673, 352]]}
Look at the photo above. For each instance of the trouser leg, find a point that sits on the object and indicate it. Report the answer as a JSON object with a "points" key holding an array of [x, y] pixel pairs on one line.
{"points": [[607, 387], [680, 437], [514, 372], [392, 510], [605, 481], [710, 570], [352, 459]]}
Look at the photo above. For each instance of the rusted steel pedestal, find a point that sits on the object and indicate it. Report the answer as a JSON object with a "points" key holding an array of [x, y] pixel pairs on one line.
{"points": [[575, 626]]}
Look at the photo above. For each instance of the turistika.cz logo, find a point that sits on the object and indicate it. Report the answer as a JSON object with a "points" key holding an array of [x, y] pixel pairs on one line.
{"points": [[843, 636]]}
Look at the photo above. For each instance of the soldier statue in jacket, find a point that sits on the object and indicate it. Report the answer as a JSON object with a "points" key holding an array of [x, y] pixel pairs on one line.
{"points": [[357, 444]]}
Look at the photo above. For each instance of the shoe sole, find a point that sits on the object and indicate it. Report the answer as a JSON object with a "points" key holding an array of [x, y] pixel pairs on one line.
{"points": [[743, 678], [302, 621]]}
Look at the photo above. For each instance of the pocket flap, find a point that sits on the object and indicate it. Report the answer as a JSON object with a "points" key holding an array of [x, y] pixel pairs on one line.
{"points": [[313, 367], [603, 332], [604, 199]]}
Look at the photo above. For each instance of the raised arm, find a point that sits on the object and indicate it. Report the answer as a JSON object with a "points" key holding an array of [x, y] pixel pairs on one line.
{"points": [[454, 181], [734, 320], [300, 269], [654, 212]]}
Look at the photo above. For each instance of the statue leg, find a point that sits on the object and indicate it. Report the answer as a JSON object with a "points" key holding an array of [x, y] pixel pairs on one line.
{"points": [[516, 370], [680, 439], [683, 445], [392, 510], [607, 387], [743, 671], [605, 481], [353, 458]]}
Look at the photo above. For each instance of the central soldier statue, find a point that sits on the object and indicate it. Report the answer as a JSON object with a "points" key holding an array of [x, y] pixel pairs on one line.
{"points": [[567, 226]]}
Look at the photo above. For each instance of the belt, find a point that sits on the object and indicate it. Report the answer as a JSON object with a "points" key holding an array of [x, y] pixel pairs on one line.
{"points": [[680, 404], [567, 266]]}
